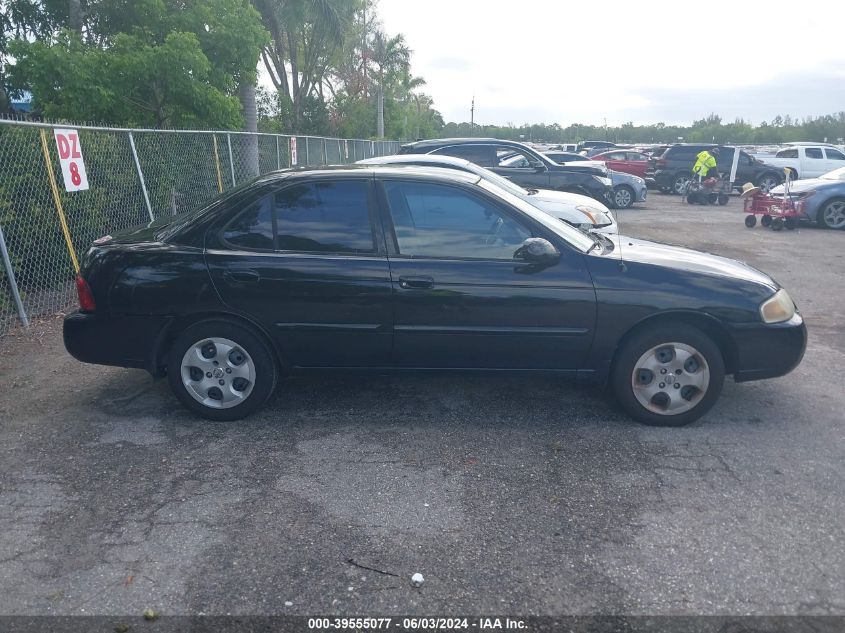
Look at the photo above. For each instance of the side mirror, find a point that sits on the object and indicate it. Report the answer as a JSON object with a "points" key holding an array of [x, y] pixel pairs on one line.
{"points": [[538, 251], [539, 167]]}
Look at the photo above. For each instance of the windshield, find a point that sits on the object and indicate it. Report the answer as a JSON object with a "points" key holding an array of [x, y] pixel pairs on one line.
{"points": [[836, 174], [501, 181], [573, 236]]}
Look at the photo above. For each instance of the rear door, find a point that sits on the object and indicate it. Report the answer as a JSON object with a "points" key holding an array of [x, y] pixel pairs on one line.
{"points": [[461, 300], [308, 263], [636, 163], [815, 163]]}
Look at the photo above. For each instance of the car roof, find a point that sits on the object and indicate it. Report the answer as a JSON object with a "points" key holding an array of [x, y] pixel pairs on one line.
{"points": [[434, 159], [810, 144], [437, 173], [440, 142]]}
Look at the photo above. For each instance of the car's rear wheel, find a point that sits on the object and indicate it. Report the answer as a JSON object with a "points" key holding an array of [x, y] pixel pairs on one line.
{"points": [[668, 376], [681, 183], [768, 182], [832, 214], [221, 370], [623, 197]]}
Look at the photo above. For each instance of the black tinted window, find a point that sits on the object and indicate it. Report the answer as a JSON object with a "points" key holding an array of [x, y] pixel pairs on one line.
{"points": [[814, 152], [432, 220], [331, 217], [484, 155], [787, 153], [834, 154], [252, 229]]}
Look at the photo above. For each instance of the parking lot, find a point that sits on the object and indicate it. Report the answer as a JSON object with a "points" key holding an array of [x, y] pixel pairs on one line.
{"points": [[509, 494]]}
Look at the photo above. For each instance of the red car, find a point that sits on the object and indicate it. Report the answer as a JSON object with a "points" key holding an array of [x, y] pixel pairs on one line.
{"points": [[625, 160]]}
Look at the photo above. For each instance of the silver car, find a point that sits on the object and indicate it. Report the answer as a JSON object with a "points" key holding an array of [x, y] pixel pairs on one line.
{"points": [[580, 211], [822, 199], [627, 188]]}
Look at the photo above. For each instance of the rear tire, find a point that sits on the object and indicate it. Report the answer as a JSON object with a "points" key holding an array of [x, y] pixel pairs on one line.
{"points": [[650, 364], [723, 199], [221, 370], [766, 221], [768, 182], [680, 184], [750, 221]]}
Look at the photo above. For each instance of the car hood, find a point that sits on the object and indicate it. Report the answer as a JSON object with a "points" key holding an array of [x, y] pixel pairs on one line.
{"points": [[678, 258], [800, 186], [563, 197]]}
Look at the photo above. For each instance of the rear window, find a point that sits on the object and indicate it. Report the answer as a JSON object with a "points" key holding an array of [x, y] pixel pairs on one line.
{"points": [[787, 153]]}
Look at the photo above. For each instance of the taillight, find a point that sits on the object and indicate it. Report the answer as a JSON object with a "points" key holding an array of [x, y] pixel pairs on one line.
{"points": [[86, 297]]}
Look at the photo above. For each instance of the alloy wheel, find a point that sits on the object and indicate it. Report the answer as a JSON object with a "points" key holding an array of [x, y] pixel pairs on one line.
{"points": [[833, 215]]}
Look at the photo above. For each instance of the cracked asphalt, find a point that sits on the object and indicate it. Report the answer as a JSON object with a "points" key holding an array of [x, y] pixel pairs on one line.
{"points": [[519, 495]]}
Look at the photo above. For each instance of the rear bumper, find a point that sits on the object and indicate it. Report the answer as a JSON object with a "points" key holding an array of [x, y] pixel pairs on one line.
{"points": [[121, 341], [768, 351]]}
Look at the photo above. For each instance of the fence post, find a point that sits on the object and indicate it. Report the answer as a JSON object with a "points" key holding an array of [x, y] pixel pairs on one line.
{"points": [[231, 161], [141, 177], [217, 164], [307, 159], [278, 155], [325, 153], [14, 284]]}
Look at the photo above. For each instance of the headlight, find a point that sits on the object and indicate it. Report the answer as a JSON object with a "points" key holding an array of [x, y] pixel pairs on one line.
{"points": [[597, 216], [778, 309]]}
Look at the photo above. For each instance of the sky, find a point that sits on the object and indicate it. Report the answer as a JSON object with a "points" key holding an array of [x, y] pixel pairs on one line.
{"points": [[645, 61]]}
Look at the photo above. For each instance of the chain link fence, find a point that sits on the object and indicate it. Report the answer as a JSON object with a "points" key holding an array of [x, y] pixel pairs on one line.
{"points": [[134, 176]]}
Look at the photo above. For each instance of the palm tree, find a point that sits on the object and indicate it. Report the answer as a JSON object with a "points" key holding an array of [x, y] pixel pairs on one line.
{"points": [[390, 56]]}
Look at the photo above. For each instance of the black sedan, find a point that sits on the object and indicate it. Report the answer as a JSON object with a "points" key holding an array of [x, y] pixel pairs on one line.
{"points": [[405, 268]]}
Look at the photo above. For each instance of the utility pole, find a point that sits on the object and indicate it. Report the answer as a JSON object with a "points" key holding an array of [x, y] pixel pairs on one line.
{"points": [[472, 117], [364, 49]]}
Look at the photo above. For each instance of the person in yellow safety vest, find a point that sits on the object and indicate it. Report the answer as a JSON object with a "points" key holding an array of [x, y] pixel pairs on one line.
{"points": [[705, 163]]}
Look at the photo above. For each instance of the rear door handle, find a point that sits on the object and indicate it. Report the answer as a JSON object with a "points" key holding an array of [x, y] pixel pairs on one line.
{"points": [[416, 282], [243, 276]]}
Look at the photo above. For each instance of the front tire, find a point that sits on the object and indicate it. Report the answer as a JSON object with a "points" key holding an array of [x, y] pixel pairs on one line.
{"points": [[623, 197], [668, 376], [221, 370], [832, 214]]}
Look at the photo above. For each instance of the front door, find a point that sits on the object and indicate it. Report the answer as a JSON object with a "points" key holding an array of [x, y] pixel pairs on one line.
{"points": [[461, 299], [306, 262]]}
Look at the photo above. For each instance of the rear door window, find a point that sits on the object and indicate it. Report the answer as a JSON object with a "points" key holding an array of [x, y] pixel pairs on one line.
{"points": [[813, 152], [315, 217]]}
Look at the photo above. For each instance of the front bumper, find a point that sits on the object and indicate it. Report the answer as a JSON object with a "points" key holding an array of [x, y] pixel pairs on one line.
{"points": [[121, 341], [769, 350]]}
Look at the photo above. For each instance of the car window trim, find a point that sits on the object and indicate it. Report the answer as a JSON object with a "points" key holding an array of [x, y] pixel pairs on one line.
{"points": [[378, 244]]}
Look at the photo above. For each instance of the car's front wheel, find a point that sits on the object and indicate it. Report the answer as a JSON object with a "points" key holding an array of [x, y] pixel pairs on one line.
{"points": [[832, 214], [623, 197], [668, 376], [221, 370]]}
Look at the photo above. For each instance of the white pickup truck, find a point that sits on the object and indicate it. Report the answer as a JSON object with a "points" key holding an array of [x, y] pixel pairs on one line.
{"points": [[808, 160]]}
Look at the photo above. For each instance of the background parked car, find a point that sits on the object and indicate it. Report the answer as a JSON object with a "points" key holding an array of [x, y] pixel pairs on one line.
{"points": [[672, 170], [580, 211], [823, 198], [628, 161], [535, 171], [562, 157], [627, 188], [808, 160]]}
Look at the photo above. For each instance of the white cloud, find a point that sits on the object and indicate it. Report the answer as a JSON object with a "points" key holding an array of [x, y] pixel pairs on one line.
{"points": [[577, 61]]}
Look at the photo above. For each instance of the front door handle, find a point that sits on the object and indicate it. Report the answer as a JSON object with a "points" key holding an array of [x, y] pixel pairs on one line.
{"points": [[243, 276], [416, 282]]}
